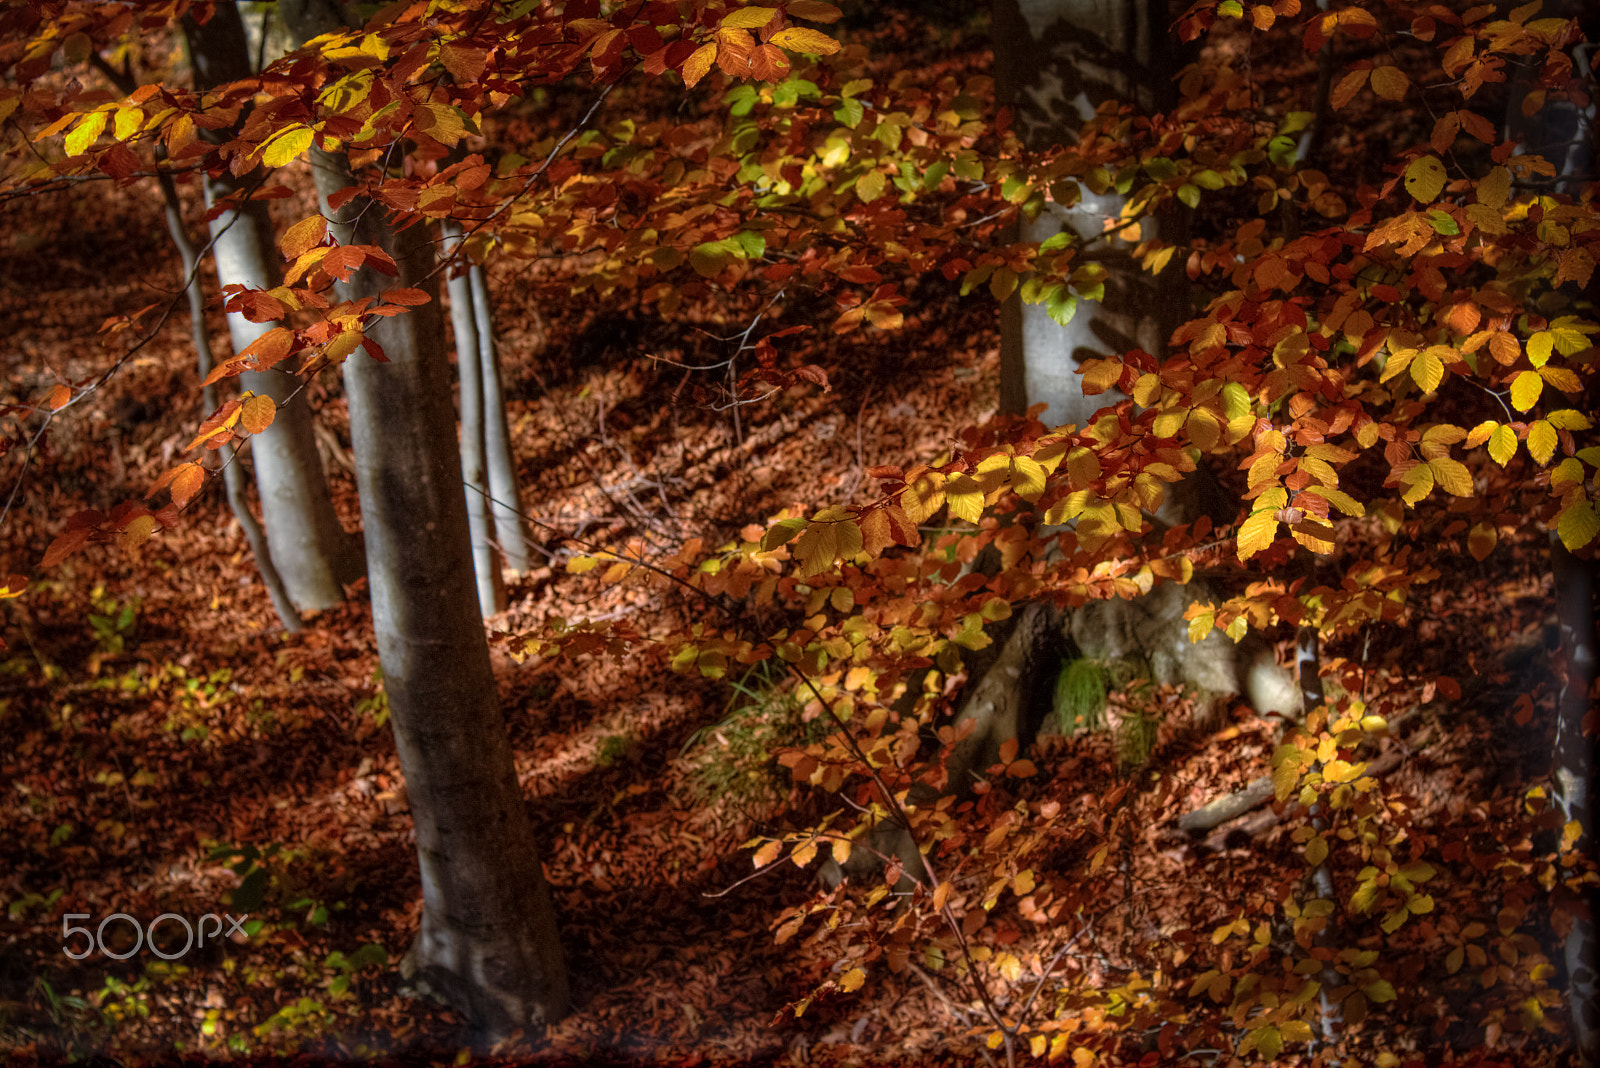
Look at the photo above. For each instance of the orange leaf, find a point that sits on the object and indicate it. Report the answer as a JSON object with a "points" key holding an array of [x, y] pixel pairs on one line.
{"points": [[257, 413], [303, 236], [801, 39], [65, 544], [1390, 83], [698, 64], [409, 297], [186, 483], [59, 398]]}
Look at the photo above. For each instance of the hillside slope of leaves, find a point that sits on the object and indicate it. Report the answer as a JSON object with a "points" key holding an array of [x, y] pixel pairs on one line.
{"points": [[163, 750]]}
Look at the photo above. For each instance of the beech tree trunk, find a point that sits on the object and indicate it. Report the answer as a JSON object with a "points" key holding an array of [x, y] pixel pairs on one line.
{"points": [[469, 373], [311, 551], [506, 507], [488, 943], [1056, 61]]}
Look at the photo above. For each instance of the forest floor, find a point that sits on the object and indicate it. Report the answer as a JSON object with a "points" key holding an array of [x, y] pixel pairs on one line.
{"points": [[165, 749]]}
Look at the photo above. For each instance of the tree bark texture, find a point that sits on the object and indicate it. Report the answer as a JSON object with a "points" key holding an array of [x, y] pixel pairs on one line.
{"points": [[504, 487], [312, 553], [488, 942], [1056, 61], [469, 374]]}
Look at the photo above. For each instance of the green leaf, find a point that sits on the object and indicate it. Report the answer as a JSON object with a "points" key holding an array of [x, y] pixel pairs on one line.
{"points": [[1189, 195], [1425, 179], [850, 113], [781, 533], [287, 146]]}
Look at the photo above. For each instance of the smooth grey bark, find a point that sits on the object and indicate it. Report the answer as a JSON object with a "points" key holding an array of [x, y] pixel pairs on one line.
{"points": [[311, 551], [309, 547], [232, 474], [488, 943], [1055, 62], [469, 373], [506, 507]]}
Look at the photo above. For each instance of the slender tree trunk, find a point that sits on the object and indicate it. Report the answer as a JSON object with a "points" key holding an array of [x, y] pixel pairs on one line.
{"points": [[1055, 62], [232, 475], [488, 944], [311, 551], [1574, 770], [469, 372], [309, 547], [509, 528]]}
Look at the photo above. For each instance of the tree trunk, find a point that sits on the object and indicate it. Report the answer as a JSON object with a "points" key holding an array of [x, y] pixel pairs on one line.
{"points": [[232, 474], [464, 329], [312, 553], [488, 943], [1574, 770], [506, 505], [1055, 62]]}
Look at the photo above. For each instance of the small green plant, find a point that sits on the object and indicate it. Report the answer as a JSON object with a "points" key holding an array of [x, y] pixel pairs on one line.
{"points": [[345, 966], [617, 749], [733, 758], [377, 705], [1080, 696], [111, 623]]}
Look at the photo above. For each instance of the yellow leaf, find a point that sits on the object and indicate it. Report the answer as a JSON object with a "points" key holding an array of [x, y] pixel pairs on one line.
{"points": [[802, 39], [1100, 375], [128, 120], [1257, 533], [747, 18], [1452, 476], [1425, 179], [1082, 1057], [442, 122], [1525, 390], [135, 533], [1427, 370], [1390, 83], [1417, 483], [870, 186], [1502, 444], [287, 146], [923, 496], [303, 236], [1027, 478], [343, 345], [1316, 850], [964, 498], [257, 412], [696, 66], [852, 980], [1541, 441], [1495, 188], [86, 132], [1147, 389], [1577, 525]]}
